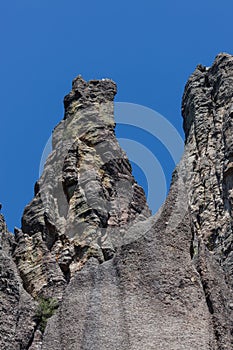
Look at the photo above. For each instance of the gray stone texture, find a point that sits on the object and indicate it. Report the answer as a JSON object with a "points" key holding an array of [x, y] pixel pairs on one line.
{"points": [[17, 307], [124, 279]]}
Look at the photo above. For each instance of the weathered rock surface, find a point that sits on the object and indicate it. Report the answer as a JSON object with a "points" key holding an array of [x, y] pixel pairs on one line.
{"points": [[86, 198], [123, 279], [149, 296], [17, 307]]}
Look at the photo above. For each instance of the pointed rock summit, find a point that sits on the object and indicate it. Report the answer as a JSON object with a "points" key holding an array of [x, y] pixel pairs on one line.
{"points": [[91, 268], [86, 198]]}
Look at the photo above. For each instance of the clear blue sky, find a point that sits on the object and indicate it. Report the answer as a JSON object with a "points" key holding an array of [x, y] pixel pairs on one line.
{"points": [[148, 47]]}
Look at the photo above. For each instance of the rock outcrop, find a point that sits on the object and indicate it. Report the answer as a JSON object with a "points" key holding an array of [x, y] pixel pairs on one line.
{"points": [[123, 279], [17, 307], [86, 198]]}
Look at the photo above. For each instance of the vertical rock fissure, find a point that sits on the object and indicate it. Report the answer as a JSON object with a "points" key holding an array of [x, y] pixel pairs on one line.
{"points": [[210, 306], [31, 340], [200, 265]]}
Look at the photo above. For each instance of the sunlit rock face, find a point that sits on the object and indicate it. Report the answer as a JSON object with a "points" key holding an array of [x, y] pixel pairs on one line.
{"points": [[207, 109], [122, 278], [86, 198], [208, 122]]}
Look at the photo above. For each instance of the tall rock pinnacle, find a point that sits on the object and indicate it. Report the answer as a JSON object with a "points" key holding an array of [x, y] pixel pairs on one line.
{"points": [[86, 198], [121, 278], [208, 122]]}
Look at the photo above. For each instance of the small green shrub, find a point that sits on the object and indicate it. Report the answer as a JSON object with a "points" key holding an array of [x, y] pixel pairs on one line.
{"points": [[46, 309]]}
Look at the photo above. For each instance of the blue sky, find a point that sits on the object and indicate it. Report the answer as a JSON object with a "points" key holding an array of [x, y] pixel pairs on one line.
{"points": [[148, 47]]}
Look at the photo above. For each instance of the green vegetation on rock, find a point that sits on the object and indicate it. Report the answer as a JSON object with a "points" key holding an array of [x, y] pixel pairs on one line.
{"points": [[46, 309]]}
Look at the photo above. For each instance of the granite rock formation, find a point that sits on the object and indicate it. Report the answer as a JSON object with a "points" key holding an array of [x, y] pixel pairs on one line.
{"points": [[122, 278]]}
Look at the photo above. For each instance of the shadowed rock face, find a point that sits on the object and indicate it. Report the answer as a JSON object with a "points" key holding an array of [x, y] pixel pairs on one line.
{"points": [[125, 280]]}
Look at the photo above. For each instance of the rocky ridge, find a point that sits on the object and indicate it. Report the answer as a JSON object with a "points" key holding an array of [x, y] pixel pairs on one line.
{"points": [[124, 279]]}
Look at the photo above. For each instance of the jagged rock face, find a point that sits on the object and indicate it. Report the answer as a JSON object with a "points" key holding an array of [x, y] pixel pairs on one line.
{"points": [[123, 280], [170, 286], [208, 123], [86, 198], [207, 110], [149, 296], [17, 307]]}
